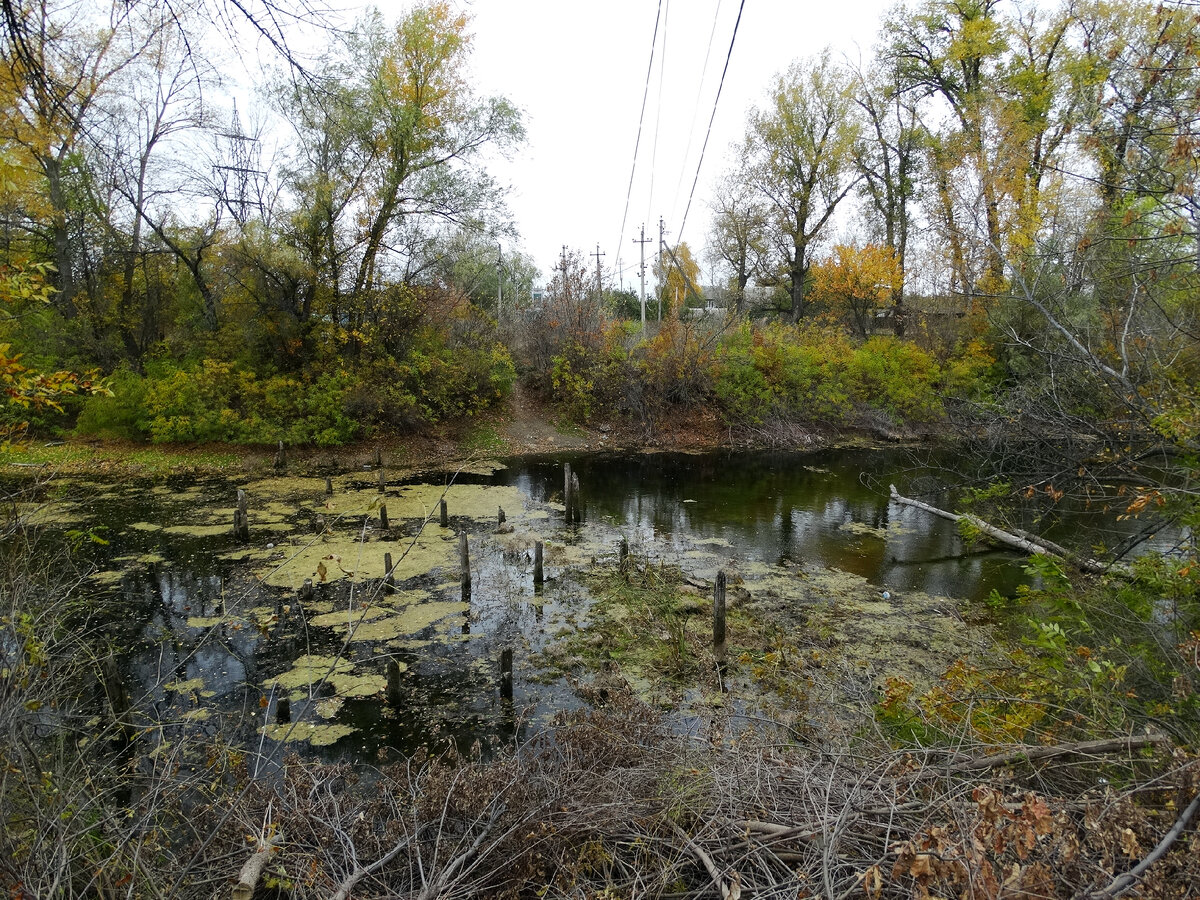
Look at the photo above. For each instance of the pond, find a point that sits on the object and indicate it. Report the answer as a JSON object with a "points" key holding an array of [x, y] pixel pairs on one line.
{"points": [[213, 633]]}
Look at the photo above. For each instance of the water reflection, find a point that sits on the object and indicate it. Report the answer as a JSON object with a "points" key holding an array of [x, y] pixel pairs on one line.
{"points": [[204, 640]]}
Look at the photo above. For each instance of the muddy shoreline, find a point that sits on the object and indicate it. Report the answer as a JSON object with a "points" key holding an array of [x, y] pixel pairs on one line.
{"points": [[525, 427]]}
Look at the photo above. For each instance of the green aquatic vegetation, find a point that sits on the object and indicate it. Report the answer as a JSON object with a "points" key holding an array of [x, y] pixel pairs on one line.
{"points": [[472, 501], [338, 675], [410, 620], [198, 531], [334, 556], [315, 734], [865, 530]]}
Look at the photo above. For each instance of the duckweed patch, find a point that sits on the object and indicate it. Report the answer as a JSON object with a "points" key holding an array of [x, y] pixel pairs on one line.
{"points": [[333, 557], [313, 733]]}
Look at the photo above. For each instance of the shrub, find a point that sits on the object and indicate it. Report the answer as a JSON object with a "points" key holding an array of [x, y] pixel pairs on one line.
{"points": [[898, 377]]}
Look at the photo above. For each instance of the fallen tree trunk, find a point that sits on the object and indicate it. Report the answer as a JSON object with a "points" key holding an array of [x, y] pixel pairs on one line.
{"points": [[1025, 542], [253, 869], [1084, 748]]}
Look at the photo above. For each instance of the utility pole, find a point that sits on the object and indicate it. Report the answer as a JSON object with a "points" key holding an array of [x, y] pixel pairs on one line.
{"points": [[662, 252], [599, 284], [499, 279], [643, 241]]}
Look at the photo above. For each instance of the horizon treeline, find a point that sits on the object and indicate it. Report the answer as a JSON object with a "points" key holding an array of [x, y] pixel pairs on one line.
{"points": [[998, 191]]}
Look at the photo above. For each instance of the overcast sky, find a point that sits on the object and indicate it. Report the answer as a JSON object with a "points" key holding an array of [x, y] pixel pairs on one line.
{"points": [[578, 70]]}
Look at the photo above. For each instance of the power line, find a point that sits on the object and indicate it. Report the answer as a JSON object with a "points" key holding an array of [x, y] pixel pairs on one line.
{"points": [[716, 100], [637, 143], [662, 77], [696, 108]]}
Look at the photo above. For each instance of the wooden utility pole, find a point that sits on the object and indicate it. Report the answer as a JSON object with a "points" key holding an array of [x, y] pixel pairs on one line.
{"points": [[643, 241], [599, 284], [662, 251]]}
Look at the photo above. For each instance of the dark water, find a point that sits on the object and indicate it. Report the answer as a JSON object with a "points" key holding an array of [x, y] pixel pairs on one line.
{"points": [[828, 509]]}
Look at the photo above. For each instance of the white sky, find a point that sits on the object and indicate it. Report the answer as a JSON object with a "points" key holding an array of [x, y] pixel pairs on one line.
{"points": [[578, 71]]}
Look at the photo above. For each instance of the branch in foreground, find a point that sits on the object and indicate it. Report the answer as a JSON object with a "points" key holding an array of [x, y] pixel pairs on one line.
{"points": [[1123, 883]]}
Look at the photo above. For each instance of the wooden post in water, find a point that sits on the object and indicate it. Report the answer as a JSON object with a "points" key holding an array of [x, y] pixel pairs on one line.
{"points": [[387, 569], [624, 551], [464, 561], [378, 458], [382, 482], [328, 486], [567, 485], [500, 516], [241, 518], [280, 459], [537, 564], [118, 695], [383, 519], [506, 674], [283, 710], [443, 517], [719, 613], [306, 590], [576, 500], [393, 683]]}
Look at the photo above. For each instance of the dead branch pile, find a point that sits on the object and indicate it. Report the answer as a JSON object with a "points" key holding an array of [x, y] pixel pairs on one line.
{"points": [[616, 802]]}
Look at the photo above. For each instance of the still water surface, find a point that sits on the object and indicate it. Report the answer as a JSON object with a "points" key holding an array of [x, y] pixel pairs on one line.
{"points": [[208, 630]]}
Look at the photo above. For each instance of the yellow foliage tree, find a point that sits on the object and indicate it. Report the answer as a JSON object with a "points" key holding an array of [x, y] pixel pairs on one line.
{"points": [[678, 277], [856, 281]]}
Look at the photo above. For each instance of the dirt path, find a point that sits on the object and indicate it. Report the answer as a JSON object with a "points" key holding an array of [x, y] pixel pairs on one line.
{"points": [[529, 427]]}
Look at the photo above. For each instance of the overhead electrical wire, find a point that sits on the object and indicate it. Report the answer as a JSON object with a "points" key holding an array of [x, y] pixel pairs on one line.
{"points": [[708, 133], [641, 117], [696, 108], [662, 77]]}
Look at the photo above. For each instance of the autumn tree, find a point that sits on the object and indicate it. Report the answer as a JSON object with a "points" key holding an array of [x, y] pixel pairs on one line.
{"points": [[390, 140], [678, 277], [854, 282], [888, 157], [738, 236], [951, 50], [802, 144]]}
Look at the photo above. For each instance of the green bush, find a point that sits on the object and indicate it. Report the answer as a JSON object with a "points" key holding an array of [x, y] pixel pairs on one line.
{"points": [[216, 402], [897, 377]]}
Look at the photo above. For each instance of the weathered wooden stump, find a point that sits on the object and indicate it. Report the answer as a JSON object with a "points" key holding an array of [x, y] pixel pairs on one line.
{"points": [[387, 569], [443, 515], [241, 518], [378, 458], [280, 458], [283, 711], [500, 516], [306, 590], [393, 683], [506, 673], [328, 486], [117, 694], [576, 510], [382, 482], [568, 499], [383, 516], [719, 613], [624, 551], [537, 564], [464, 561]]}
